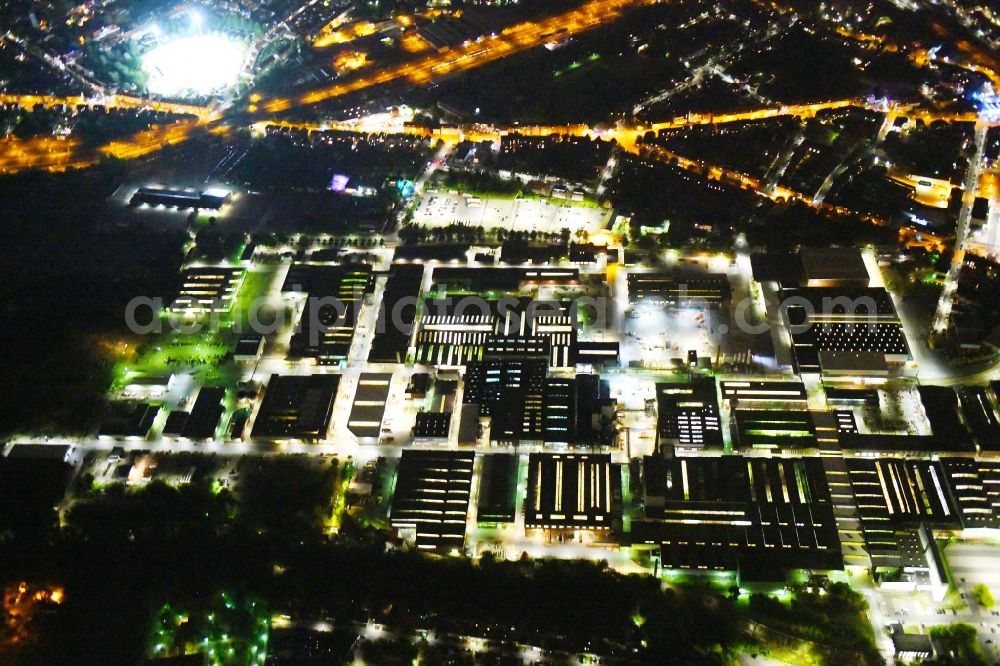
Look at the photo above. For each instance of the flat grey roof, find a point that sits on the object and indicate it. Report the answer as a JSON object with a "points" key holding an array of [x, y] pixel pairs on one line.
{"points": [[840, 264], [368, 409]]}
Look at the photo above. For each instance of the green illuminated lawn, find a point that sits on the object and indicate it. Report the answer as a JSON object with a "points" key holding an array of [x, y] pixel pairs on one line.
{"points": [[199, 353], [801, 654], [204, 353], [340, 499], [255, 285]]}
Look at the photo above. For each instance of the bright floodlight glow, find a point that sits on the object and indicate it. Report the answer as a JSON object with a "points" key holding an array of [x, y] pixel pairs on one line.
{"points": [[197, 65]]}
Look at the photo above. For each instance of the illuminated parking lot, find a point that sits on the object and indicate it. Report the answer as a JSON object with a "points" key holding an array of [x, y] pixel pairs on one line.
{"points": [[515, 214]]}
